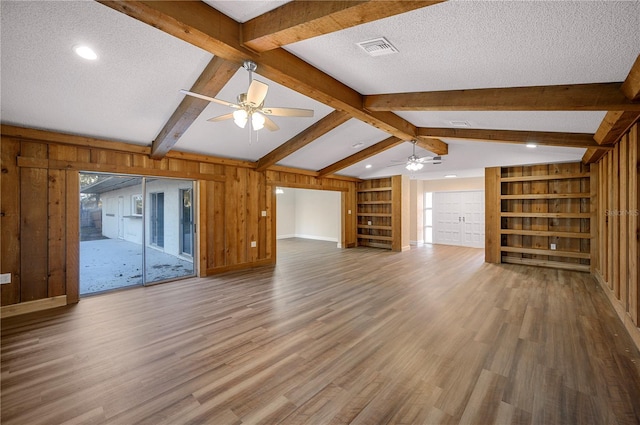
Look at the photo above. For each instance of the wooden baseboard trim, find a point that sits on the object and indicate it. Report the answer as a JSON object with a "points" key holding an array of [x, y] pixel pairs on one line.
{"points": [[632, 329], [31, 306]]}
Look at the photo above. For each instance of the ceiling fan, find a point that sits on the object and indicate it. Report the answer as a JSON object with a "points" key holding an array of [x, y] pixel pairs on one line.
{"points": [[415, 163], [250, 105]]}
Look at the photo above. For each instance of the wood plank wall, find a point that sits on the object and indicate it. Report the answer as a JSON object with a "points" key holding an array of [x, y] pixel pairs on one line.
{"points": [[615, 264], [39, 233]]}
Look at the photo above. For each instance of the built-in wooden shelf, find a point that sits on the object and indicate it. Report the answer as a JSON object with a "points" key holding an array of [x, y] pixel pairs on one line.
{"points": [[378, 213], [375, 189], [366, 226], [532, 209], [578, 195], [563, 176], [551, 233]]}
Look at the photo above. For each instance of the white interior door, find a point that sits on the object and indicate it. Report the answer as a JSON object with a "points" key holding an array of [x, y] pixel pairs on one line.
{"points": [[473, 219], [459, 218], [447, 218]]}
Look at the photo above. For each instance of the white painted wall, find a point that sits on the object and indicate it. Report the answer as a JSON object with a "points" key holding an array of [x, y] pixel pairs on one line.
{"points": [[309, 214], [133, 224]]}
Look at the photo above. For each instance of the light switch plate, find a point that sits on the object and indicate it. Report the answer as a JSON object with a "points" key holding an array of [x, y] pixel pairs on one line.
{"points": [[264, 213], [253, 244], [5, 278]]}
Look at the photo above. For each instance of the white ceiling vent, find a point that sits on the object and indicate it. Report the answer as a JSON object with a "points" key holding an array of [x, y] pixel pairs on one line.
{"points": [[460, 123], [378, 47]]}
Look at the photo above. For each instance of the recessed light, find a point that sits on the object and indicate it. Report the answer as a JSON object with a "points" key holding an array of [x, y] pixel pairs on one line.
{"points": [[368, 166], [531, 145], [85, 52], [450, 176], [357, 145], [459, 123]]}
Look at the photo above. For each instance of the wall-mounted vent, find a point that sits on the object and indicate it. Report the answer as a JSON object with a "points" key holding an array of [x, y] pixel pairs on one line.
{"points": [[378, 47]]}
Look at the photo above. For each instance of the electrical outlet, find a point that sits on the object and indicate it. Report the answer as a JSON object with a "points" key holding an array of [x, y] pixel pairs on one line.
{"points": [[264, 213], [368, 223], [553, 247], [254, 244], [5, 278], [349, 211]]}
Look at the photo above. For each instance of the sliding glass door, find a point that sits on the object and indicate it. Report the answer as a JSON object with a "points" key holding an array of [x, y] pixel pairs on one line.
{"points": [[134, 231]]}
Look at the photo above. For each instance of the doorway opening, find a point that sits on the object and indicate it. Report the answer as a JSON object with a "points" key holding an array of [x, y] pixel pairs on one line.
{"points": [[308, 214], [134, 231]]}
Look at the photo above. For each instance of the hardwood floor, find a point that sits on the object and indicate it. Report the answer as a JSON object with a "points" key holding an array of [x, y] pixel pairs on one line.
{"points": [[364, 336]]}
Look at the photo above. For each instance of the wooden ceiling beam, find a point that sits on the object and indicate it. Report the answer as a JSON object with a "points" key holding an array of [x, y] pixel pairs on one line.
{"points": [[593, 155], [204, 27], [543, 138], [214, 77], [631, 85], [572, 97], [614, 125], [320, 128], [360, 156], [301, 20]]}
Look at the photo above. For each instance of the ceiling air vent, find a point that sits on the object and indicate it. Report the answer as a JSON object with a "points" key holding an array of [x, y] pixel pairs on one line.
{"points": [[378, 47]]}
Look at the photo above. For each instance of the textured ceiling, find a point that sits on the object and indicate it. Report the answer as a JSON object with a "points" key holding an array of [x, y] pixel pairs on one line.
{"points": [[133, 88]]}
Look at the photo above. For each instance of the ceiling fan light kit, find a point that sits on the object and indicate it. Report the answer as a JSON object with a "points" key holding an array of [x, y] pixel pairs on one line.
{"points": [[250, 105]]}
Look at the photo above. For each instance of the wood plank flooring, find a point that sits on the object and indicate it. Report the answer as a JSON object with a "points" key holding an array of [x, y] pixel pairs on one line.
{"points": [[362, 336]]}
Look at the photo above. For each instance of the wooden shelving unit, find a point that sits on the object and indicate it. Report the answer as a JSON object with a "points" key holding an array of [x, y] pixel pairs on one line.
{"points": [[378, 214], [539, 215]]}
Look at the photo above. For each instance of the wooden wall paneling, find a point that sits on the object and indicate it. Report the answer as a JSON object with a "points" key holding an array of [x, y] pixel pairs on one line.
{"points": [[270, 223], [623, 221], [263, 193], [201, 226], [63, 153], [253, 214], [10, 220], [539, 206], [33, 226], [217, 224], [72, 228], [606, 205], [610, 208], [594, 203], [57, 232], [615, 218], [493, 240], [634, 217], [83, 155]]}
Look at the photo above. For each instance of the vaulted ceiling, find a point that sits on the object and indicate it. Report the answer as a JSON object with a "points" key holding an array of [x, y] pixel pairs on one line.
{"points": [[471, 81]]}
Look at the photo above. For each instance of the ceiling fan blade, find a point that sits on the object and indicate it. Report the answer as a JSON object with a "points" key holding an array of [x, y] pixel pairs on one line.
{"points": [[210, 99], [270, 125], [221, 118], [257, 92], [288, 112]]}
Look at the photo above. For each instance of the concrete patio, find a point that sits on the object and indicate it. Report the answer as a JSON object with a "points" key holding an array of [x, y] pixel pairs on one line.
{"points": [[107, 264]]}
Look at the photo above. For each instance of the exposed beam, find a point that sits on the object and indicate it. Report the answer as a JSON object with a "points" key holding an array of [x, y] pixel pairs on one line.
{"points": [[360, 156], [614, 125], [204, 27], [214, 77], [325, 125], [574, 97], [631, 85], [304, 19], [593, 155], [545, 138]]}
